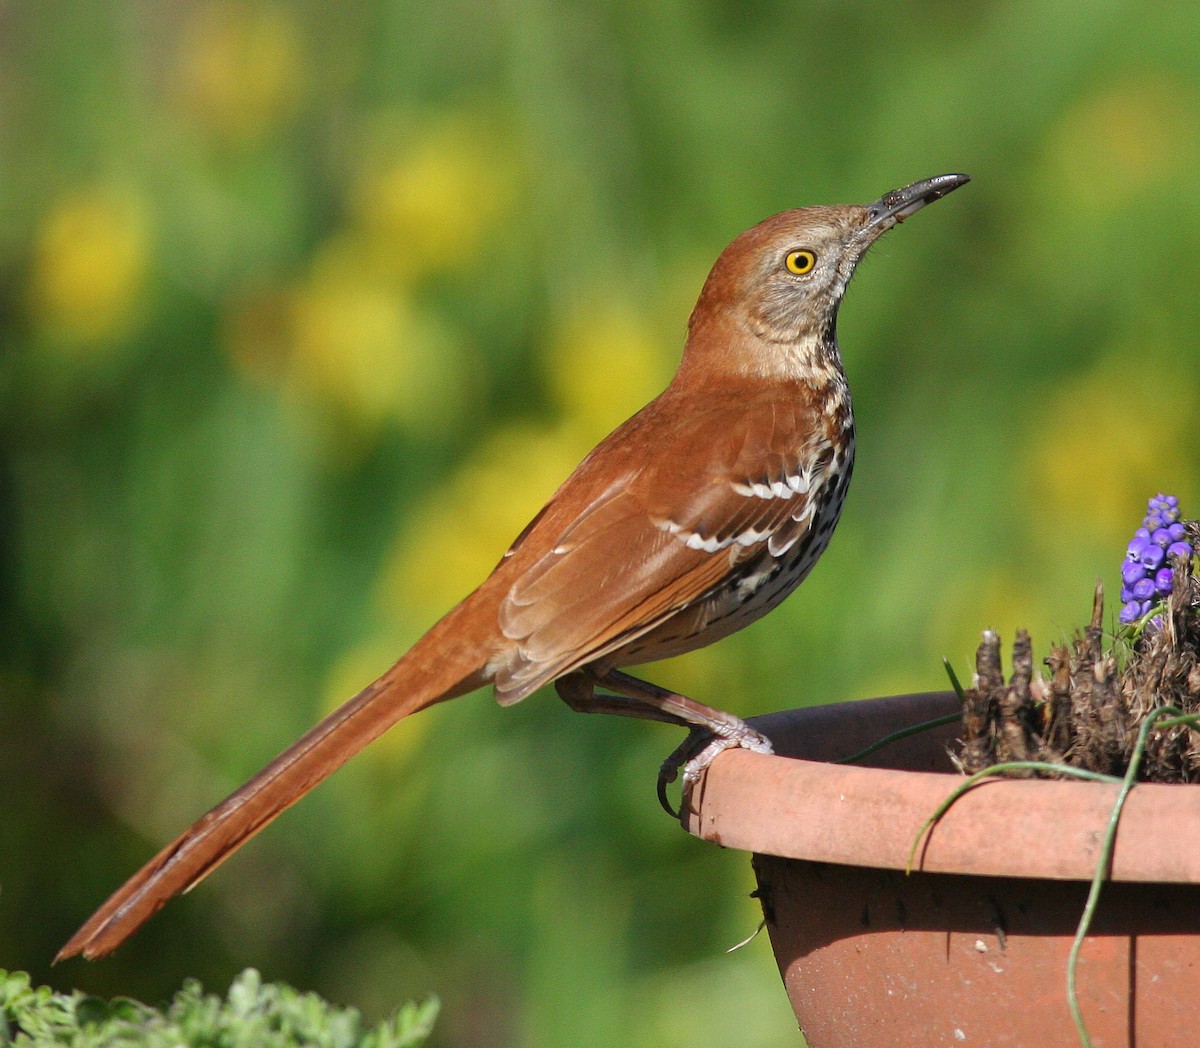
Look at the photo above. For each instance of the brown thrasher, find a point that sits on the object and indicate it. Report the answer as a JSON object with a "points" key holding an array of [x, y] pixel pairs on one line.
{"points": [[694, 518]]}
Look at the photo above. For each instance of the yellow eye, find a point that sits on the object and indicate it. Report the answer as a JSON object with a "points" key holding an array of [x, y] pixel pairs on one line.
{"points": [[800, 262]]}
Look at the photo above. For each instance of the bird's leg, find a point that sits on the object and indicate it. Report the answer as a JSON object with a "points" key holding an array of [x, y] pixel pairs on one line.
{"points": [[710, 731], [578, 690]]}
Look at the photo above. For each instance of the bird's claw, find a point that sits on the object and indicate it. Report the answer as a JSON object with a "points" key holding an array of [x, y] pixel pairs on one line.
{"points": [[698, 751]]}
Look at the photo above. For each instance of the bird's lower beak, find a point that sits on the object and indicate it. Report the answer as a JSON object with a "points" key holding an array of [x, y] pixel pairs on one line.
{"points": [[894, 207]]}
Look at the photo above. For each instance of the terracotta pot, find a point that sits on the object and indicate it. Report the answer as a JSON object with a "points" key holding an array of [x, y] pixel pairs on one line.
{"points": [[971, 948]]}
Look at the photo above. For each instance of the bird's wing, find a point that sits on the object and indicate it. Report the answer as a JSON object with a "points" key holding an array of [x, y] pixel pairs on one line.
{"points": [[720, 488]]}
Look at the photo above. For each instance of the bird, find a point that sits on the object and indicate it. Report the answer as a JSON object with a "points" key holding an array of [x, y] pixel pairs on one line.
{"points": [[692, 519]]}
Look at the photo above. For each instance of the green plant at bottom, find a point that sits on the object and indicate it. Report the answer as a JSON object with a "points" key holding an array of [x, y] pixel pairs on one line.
{"points": [[253, 1014]]}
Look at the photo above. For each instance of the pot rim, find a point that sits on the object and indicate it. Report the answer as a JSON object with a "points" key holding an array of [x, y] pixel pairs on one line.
{"points": [[795, 804]]}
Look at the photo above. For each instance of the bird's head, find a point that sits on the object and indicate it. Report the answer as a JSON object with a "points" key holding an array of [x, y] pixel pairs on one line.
{"points": [[782, 280]]}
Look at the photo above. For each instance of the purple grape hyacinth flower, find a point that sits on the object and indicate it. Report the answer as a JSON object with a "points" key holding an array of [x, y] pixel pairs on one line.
{"points": [[1152, 557], [1146, 573]]}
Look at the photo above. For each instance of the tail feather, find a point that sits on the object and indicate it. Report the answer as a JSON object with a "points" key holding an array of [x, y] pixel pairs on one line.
{"points": [[426, 675]]}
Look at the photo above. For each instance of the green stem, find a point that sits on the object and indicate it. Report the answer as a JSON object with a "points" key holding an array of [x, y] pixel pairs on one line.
{"points": [[1163, 717], [954, 682], [895, 736], [990, 773]]}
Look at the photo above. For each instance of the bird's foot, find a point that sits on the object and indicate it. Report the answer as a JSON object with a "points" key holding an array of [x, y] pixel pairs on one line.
{"points": [[710, 731], [699, 750]]}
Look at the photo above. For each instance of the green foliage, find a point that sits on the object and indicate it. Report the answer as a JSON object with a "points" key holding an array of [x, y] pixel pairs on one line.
{"points": [[253, 1015]]}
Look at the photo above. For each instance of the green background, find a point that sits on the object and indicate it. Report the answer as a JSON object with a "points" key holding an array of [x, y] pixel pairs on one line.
{"points": [[306, 308]]}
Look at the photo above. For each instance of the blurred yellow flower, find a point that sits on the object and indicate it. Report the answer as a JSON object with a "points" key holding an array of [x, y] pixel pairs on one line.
{"points": [[603, 364], [1106, 442], [240, 66], [352, 347], [90, 256], [428, 193], [347, 343], [1136, 132]]}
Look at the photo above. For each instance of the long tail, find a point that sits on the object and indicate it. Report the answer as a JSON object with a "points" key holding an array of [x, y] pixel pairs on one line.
{"points": [[445, 663]]}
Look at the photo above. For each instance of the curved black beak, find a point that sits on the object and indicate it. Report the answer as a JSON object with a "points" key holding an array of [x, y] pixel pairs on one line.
{"points": [[894, 207]]}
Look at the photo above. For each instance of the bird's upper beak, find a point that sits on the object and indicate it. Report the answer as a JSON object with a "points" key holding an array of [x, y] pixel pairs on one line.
{"points": [[894, 207]]}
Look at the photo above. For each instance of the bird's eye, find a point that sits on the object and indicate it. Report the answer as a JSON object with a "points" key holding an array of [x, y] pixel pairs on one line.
{"points": [[800, 262]]}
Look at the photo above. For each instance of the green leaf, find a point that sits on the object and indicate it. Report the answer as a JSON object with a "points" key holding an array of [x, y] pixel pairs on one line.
{"points": [[254, 1014]]}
